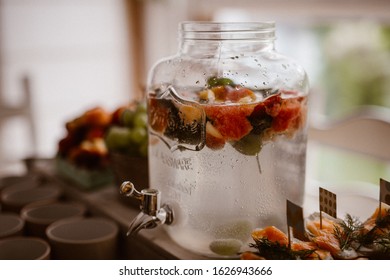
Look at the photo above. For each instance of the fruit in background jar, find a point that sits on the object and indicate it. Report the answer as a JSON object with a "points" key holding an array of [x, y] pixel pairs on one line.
{"points": [[95, 117], [83, 144], [90, 154], [129, 135], [127, 118], [138, 135], [140, 120], [118, 138], [92, 135], [95, 133]]}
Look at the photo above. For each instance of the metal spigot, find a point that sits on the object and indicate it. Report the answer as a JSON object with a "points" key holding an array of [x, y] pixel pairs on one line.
{"points": [[152, 214]]}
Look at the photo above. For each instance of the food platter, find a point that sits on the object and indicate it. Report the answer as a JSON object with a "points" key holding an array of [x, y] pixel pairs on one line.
{"points": [[354, 224]]}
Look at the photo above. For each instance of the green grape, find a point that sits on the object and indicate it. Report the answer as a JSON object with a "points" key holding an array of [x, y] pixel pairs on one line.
{"points": [[138, 135], [128, 117], [141, 109], [214, 81], [226, 247], [249, 145], [118, 138], [131, 137], [140, 120]]}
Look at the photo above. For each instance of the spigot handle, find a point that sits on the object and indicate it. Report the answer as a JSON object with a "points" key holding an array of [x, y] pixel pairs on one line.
{"points": [[150, 198], [127, 189], [152, 214]]}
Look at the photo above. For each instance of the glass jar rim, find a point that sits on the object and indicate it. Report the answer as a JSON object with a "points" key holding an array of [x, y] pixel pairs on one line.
{"points": [[204, 26], [208, 30]]}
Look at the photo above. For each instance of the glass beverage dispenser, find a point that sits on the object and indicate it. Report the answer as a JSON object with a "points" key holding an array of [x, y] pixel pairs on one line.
{"points": [[227, 137]]}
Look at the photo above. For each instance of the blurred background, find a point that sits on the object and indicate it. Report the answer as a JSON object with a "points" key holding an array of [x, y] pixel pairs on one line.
{"points": [[60, 58]]}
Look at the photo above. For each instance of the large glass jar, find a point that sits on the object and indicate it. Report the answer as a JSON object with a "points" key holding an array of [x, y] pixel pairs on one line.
{"points": [[227, 126]]}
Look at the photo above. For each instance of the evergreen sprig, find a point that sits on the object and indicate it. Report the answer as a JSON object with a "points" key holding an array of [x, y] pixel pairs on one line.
{"points": [[276, 251]]}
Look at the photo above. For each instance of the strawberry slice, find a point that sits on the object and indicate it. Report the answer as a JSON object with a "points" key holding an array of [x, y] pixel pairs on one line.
{"points": [[288, 116], [231, 121], [278, 113]]}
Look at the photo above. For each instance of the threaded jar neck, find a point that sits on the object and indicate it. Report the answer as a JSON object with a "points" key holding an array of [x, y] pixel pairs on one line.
{"points": [[227, 31]]}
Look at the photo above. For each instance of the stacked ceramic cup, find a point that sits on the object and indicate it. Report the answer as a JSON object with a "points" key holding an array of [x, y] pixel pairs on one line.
{"points": [[36, 222], [15, 193]]}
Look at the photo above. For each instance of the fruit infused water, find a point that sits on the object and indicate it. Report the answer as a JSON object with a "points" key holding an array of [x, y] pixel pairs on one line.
{"points": [[226, 158]]}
